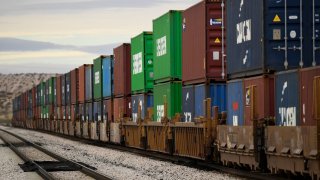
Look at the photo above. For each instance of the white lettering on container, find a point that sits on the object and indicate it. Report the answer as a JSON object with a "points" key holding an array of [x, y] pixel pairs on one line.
{"points": [[160, 112], [137, 63], [244, 31], [162, 46], [188, 116], [288, 116], [235, 121], [96, 78]]}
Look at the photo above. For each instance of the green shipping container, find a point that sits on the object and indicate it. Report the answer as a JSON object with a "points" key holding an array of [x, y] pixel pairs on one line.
{"points": [[97, 77], [167, 47], [171, 92], [43, 93], [44, 112], [142, 63], [51, 94]]}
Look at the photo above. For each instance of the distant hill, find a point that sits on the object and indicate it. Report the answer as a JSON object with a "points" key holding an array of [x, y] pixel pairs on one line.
{"points": [[12, 85]]}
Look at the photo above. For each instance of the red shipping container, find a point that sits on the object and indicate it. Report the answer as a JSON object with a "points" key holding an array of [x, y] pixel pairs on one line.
{"points": [[258, 98], [73, 112], [203, 40], [122, 70], [82, 83], [310, 92], [34, 91], [74, 86], [58, 91], [122, 104], [107, 110]]}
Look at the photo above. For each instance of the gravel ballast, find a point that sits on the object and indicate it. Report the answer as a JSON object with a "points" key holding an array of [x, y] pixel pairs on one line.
{"points": [[120, 165]]}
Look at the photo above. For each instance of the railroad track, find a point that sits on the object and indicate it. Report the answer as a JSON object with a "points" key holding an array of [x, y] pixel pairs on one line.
{"points": [[45, 169], [185, 161]]}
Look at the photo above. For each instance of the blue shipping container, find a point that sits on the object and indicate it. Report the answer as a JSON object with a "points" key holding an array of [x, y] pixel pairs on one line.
{"points": [[145, 101], [235, 103], [68, 88], [89, 112], [287, 98], [89, 84], [188, 103], [215, 91], [97, 111], [63, 89], [107, 73], [262, 38]]}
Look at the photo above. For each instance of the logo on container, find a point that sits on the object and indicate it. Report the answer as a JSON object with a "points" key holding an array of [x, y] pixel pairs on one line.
{"points": [[162, 46], [215, 22], [288, 116], [137, 63], [160, 112], [96, 78], [188, 116], [244, 31]]}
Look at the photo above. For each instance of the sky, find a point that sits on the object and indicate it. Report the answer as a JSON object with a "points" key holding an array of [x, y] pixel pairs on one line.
{"points": [[55, 36]]}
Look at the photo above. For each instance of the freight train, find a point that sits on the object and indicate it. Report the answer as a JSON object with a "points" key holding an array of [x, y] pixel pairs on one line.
{"points": [[236, 82]]}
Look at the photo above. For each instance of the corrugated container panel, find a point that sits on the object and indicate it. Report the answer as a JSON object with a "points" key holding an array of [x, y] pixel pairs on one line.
{"points": [[42, 93], [215, 91], [82, 111], [287, 98], [63, 90], [258, 98], [82, 83], [122, 104], [167, 42], [145, 101], [50, 88], [68, 88], [74, 86], [68, 112], [58, 89], [63, 112], [122, 70], [97, 110], [108, 110], [97, 79], [74, 112], [259, 32], [142, 63], [88, 82], [202, 42], [188, 103], [34, 100], [38, 95], [235, 103], [172, 93], [46, 92], [107, 76], [89, 112], [54, 90], [309, 89]]}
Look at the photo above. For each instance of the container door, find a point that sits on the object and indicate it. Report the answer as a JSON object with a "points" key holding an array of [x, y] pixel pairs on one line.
{"points": [[200, 96]]}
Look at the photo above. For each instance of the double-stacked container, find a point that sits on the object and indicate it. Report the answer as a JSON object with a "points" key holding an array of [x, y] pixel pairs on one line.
{"points": [[103, 89], [203, 58], [167, 41], [74, 105], [142, 64]]}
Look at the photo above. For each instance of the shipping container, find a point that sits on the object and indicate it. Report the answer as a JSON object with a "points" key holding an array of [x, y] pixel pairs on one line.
{"points": [[203, 42], [121, 106], [167, 42], [258, 98], [82, 82], [97, 110], [89, 112], [287, 98], [43, 93], [103, 71], [310, 96], [171, 92], [58, 90], [63, 90], [188, 103], [235, 103], [88, 82], [51, 90], [82, 112], [74, 86], [265, 36], [142, 63], [68, 88], [107, 110], [107, 77], [215, 91], [122, 70], [68, 112], [145, 101]]}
